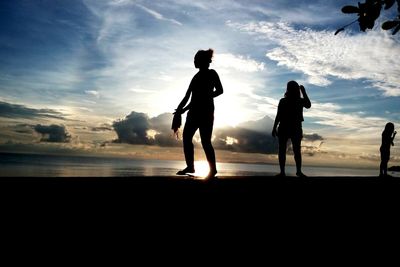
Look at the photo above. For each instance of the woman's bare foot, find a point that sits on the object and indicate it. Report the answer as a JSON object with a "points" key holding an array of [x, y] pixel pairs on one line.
{"points": [[211, 175]]}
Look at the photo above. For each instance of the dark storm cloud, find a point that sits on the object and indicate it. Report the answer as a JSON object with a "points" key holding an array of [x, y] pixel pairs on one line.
{"points": [[8, 110], [53, 133], [133, 129], [310, 150], [138, 128], [162, 125], [245, 140], [312, 137], [251, 137], [248, 137], [312, 144], [255, 137]]}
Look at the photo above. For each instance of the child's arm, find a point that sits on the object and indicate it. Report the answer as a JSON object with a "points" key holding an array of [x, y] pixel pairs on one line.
{"points": [[394, 134]]}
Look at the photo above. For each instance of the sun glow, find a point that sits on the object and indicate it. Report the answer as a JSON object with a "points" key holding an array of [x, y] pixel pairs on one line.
{"points": [[227, 113], [202, 168], [151, 134], [237, 103]]}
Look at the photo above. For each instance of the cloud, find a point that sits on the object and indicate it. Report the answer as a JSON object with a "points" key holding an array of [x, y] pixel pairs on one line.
{"points": [[255, 137], [237, 62], [322, 56], [263, 125], [158, 16], [139, 128], [8, 110], [245, 140], [312, 137], [93, 93], [133, 128], [102, 128], [308, 149], [249, 137], [23, 128], [299, 12], [311, 144], [53, 133], [330, 114], [140, 90]]}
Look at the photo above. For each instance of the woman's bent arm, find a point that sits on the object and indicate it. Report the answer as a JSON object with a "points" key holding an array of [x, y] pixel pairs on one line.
{"points": [[218, 86], [184, 101]]}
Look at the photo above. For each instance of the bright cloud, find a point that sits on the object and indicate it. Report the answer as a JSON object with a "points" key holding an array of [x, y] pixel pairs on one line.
{"points": [[237, 62], [320, 55], [331, 115], [158, 16], [93, 93]]}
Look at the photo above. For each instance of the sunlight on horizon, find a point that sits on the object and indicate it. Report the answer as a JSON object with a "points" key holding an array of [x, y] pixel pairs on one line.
{"points": [[202, 168]]}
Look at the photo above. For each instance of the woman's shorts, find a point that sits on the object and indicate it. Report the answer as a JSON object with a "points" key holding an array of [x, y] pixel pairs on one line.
{"points": [[292, 133]]}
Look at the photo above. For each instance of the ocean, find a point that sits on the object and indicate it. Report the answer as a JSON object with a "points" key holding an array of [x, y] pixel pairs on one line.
{"points": [[37, 165]]}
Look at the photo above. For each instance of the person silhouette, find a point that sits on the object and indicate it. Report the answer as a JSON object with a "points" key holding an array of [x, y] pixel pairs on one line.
{"points": [[388, 135], [201, 111], [289, 118]]}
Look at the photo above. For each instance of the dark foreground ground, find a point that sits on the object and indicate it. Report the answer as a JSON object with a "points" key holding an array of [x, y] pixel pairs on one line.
{"points": [[159, 191], [172, 199], [159, 213]]}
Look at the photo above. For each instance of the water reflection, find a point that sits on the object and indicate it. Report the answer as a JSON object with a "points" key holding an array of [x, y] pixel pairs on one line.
{"points": [[24, 165]]}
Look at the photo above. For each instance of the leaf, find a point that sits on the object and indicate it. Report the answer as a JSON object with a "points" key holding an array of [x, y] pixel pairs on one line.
{"points": [[339, 30], [350, 9], [389, 4], [396, 30], [390, 24]]}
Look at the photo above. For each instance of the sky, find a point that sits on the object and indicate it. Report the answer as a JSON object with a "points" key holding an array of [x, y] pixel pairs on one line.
{"points": [[94, 77]]}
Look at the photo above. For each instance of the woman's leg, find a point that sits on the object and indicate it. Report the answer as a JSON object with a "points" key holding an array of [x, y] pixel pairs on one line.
{"points": [[296, 144], [206, 130], [383, 168], [385, 156], [282, 153], [188, 132]]}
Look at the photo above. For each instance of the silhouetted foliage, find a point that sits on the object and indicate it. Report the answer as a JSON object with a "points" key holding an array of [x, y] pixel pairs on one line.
{"points": [[369, 11]]}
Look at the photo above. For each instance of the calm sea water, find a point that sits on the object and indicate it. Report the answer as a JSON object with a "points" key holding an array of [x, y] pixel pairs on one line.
{"points": [[33, 165]]}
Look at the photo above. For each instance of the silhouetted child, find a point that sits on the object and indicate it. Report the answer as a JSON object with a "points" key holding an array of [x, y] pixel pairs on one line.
{"points": [[388, 135], [289, 118], [201, 111]]}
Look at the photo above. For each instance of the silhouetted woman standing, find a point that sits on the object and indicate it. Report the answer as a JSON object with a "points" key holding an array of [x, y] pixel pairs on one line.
{"points": [[201, 111], [388, 135], [290, 118]]}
